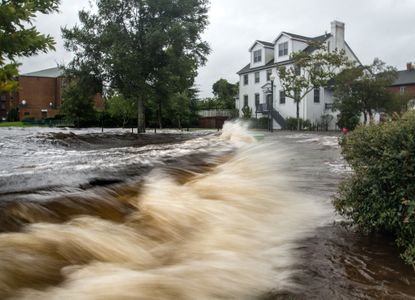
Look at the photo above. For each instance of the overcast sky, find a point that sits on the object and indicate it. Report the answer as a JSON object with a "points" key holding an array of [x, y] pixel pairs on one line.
{"points": [[374, 28]]}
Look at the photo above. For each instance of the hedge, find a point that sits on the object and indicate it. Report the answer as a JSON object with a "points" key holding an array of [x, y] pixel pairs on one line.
{"points": [[380, 194]]}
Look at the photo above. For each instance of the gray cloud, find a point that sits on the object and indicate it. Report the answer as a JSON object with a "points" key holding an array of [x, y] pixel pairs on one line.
{"points": [[374, 28]]}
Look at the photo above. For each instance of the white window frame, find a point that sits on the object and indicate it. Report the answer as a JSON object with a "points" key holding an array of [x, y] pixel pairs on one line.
{"points": [[257, 76], [257, 99], [246, 101], [257, 56], [246, 79], [283, 49]]}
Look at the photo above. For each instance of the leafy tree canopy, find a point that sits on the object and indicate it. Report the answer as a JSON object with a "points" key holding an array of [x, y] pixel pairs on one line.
{"points": [[309, 70], [140, 47], [225, 92], [365, 89], [121, 108], [18, 36]]}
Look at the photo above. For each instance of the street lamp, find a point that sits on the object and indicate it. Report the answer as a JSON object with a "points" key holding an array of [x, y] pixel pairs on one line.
{"points": [[270, 103]]}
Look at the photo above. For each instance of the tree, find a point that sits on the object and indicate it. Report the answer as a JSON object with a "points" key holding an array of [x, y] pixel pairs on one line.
{"points": [[77, 105], [364, 89], [180, 108], [121, 108], [18, 36], [225, 92], [309, 70], [246, 112], [133, 43]]}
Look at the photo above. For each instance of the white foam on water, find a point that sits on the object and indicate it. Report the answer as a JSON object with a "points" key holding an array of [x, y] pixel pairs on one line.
{"points": [[230, 233]]}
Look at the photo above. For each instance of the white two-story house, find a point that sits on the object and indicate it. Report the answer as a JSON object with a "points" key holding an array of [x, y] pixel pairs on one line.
{"points": [[266, 57]]}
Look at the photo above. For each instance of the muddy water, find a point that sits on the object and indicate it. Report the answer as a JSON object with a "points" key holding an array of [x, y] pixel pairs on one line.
{"points": [[182, 216]]}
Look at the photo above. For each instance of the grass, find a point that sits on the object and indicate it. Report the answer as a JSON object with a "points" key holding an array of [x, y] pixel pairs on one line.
{"points": [[19, 124], [12, 124]]}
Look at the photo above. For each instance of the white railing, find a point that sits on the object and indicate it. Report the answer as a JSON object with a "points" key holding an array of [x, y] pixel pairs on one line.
{"points": [[217, 113]]}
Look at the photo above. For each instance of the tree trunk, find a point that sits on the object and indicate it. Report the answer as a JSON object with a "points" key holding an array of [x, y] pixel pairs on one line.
{"points": [[298, 115], [140, 115], [365, 118], [159, 115], [370, 115]]}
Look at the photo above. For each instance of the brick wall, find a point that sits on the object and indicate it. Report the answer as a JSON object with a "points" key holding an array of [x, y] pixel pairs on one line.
{"points": [[410, 89], [39, 93]]}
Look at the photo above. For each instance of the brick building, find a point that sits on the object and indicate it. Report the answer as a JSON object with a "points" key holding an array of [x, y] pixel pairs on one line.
{"points": [[405, 82], [7, 101], [39, 95]]}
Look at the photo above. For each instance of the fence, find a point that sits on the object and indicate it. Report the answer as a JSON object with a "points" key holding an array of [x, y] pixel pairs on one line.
{"points": [[228, 113]]}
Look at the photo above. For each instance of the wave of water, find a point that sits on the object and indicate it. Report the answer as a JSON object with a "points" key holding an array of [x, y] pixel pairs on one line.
{"points": [[228, 233]]}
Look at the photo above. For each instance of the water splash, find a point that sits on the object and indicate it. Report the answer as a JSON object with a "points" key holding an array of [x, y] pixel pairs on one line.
{"points": [[229, 233]]}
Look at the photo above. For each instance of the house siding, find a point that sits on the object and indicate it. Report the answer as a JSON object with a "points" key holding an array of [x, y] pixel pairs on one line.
{"points": [[308, 109]]}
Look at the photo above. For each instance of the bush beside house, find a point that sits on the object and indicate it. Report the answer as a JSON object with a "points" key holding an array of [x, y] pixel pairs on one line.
{"points": [[380, 195]]}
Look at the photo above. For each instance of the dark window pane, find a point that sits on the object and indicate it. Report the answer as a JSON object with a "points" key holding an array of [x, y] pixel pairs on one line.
{"points": [[256, 77], [245, 100], [316, 95], [257, 56], [282, 97]]}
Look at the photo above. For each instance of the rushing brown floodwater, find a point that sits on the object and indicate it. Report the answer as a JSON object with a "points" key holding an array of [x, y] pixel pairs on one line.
{"points": [[192, 217]]}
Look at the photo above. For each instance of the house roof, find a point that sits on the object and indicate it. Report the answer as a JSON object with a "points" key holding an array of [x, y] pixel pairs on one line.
{"points": [[269, 44], [297, 36], [405, 77], [317, 39], [49, 73], [271, 63], [263, 43], [268, 65]]}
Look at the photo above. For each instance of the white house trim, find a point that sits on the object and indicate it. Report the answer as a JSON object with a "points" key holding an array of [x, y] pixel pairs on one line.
{"points": [[308, 109]]}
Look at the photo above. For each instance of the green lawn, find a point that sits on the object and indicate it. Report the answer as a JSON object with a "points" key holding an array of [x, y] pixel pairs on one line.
{"points": [[12, 124]]}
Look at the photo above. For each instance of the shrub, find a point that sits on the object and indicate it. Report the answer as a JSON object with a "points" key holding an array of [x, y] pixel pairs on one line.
{"points": [[246, 112], [380, 195], [292, 124]]}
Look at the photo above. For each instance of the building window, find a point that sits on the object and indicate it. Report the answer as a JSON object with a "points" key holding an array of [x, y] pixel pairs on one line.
{"points": [[269, 73], [282, 97], [283, 49], [256, 77], [3, 103], [316, 95], [256, 100], [245, 100], [402, 90], [328, 46], [257, 56], [245, 79]]}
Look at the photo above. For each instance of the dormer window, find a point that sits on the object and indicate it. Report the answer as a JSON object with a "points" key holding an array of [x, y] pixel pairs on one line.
{"points": [[283, 49], [257, 56]]}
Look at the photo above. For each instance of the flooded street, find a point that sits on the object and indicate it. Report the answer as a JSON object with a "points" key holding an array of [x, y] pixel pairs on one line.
{"points": [[198, 215]]}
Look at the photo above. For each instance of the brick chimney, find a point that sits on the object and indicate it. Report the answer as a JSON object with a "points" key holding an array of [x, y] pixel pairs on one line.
{"points": [[409, 66], [337, 31]]}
